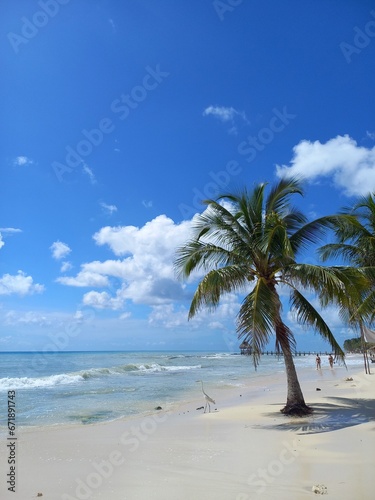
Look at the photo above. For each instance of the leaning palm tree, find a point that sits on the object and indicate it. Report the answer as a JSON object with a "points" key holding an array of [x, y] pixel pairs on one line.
{"points": [[248, 243]]}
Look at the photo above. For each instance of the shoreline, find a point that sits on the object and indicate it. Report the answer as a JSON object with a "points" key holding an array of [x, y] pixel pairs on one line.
{"points": [[221, 387], [245, 449]]}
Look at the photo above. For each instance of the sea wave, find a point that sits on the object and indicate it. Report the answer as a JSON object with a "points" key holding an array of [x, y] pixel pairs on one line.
{"points": [[143, 368], [8, 383], [221, 355], [155, 367]]}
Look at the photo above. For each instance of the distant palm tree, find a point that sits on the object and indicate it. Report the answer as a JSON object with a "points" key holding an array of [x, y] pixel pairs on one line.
{"points": [[248, 243], [355, 244]]}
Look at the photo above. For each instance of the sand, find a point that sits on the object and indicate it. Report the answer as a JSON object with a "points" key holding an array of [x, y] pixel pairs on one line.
{"points": [[244, 449]]}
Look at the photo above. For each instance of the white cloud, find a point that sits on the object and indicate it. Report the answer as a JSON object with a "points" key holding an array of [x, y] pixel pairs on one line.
{"points": [[145, 274], [21, 161], [167, 316], [10, 230], [7, 230], [351, 167], [108, 208], [113, 25], [158, 237], [147, 204], [125, 315], [227, 114], [102, 300], [28, 318], [87, 170], [65, 266], [223, 113], [59, 250], [85, 279], [370, 135], [19, 284]]}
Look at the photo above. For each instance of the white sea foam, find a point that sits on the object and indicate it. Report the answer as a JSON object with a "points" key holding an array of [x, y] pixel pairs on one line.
{"points": [[143, 368], [8, 383], [218, 355], [155, 367]]}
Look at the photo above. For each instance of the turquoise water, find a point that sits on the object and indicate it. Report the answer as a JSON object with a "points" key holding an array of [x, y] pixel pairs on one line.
{"points": [[89, 387]]}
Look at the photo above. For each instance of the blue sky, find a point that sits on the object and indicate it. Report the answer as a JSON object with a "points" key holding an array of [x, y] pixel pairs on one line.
{"points": [[119, 117]]}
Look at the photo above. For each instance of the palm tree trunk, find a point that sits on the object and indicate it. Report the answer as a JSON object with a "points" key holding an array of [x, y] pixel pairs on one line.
{"points": [[295, 402]]}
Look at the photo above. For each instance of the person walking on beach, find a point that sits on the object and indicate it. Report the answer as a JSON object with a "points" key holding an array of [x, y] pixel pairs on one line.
{"points": [[330, 359], [318, 362]]}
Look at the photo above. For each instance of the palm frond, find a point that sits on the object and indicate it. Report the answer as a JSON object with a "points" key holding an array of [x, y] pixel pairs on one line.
{"points": [[256, 318], [348, 253], [279, 195], [306, 314], [216, 283], [332, 284], [196, 255], [311, 233]]}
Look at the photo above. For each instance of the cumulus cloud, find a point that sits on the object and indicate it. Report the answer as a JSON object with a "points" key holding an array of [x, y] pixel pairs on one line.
{"points": [[351, 167], [5, 231], [21, 161], [158, 237], [19, 284], [102, 300], [109, 209], [144, 274], [59, 250], [166, 316], [85, 279], [170, 316]]}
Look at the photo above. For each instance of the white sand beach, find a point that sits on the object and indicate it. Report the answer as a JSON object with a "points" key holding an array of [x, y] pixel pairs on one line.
{"points": [[244, 449]]}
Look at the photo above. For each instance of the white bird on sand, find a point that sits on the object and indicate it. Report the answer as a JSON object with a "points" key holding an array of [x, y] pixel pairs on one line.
{"points": [[208, 399]]}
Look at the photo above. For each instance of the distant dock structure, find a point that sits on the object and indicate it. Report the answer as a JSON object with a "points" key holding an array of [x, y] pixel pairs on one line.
{"points": [[245, 349]]}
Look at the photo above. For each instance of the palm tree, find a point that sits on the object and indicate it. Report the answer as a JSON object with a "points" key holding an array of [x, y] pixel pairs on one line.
{"points": [[355, 237], [247, 243], [355, 244]]}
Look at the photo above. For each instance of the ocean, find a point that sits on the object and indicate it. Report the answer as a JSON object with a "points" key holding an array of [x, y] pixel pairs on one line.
{"points": [[89, 387]]}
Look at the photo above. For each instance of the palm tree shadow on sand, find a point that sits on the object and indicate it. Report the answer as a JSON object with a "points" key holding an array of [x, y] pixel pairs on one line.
{"points": [[330, 416]]}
